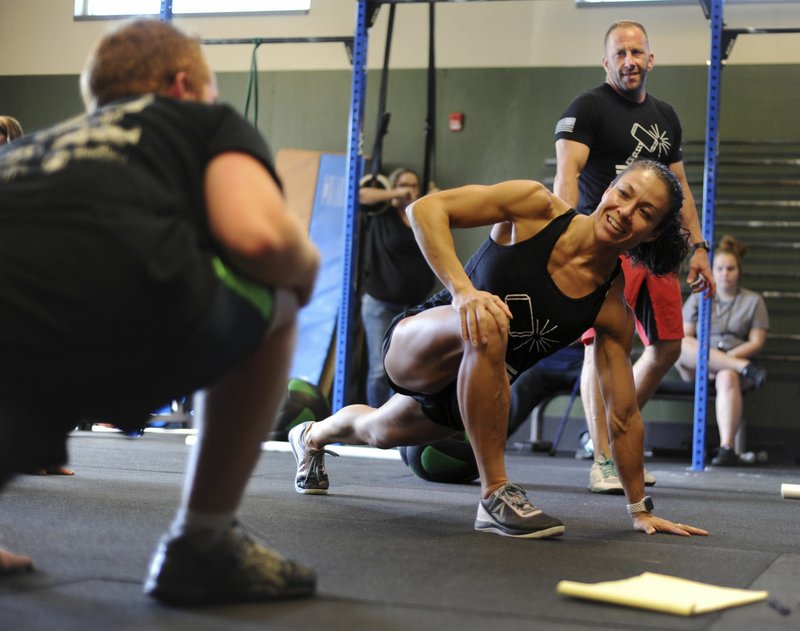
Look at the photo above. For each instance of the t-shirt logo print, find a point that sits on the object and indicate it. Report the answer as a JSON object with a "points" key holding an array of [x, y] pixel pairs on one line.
{"points": [[525, 325], [652, 140]]}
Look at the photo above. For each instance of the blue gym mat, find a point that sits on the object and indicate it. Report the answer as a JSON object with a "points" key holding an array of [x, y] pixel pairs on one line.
{"points": [[317, 320]]}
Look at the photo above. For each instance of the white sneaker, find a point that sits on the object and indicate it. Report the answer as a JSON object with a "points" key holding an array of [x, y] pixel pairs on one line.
{"points": [[603, 478]]}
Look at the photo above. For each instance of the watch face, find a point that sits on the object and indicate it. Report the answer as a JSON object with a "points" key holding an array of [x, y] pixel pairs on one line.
{"points": [[648, 503]]}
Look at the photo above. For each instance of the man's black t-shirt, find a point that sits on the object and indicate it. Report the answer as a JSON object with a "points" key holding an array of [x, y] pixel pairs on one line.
{"points": [[618, 132], [104, 236]]}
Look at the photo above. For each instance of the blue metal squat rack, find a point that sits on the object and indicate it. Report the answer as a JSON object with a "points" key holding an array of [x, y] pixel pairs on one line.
{"points": [[722, 41]]}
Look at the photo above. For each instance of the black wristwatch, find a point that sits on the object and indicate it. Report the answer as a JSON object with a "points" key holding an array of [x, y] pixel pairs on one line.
{"points": [[645, 504], [701, 245]]}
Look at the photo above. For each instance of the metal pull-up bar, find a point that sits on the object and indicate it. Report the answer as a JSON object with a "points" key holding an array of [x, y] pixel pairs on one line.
{"points": [[729, 36], [256, 42], [165, 14], [346, 40]]}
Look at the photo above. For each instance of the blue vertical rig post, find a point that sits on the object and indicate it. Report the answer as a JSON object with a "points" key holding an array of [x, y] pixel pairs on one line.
{"points": [[709, 202], [349, 299], [166, 10]]}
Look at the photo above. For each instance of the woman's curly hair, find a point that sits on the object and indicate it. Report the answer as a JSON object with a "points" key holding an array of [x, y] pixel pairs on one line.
{"points": [[664, 254]]}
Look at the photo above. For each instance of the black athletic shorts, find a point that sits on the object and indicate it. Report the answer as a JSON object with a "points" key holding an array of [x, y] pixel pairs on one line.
{"points": [[441, 407], [45, 398]]}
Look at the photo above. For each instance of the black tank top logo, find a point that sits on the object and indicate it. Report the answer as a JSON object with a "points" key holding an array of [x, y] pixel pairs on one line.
{"points": [[527, 331], [544, 319]]}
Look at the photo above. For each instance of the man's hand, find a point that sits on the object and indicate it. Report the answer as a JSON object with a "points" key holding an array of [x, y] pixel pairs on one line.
{"points": [[479, 310], [700, 277], [650, 524]]}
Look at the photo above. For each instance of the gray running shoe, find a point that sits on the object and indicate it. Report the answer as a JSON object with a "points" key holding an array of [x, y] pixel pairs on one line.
{"points": [[204, 568], [509, 512], [311, 474]]}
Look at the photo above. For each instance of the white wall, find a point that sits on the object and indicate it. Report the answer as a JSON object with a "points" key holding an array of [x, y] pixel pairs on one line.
{"points": [[40, 36]]}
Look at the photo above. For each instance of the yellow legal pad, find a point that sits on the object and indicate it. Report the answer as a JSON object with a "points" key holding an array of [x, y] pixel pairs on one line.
{"points": [[659, 592]]}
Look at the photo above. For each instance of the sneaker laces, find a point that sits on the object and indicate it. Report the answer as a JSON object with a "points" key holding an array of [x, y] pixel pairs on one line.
{"points": [[314, 459], [514, 495], [315, 463], [608, 469]]}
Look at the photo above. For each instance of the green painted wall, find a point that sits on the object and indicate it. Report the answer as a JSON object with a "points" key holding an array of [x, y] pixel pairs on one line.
{"points": [[510, 113]]}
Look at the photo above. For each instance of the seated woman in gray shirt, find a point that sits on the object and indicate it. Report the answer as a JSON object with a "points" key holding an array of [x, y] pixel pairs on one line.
{"points": [[739, 323]]}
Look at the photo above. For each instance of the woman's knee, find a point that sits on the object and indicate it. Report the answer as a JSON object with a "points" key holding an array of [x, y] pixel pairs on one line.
{"points": [[494, 347], [728, 379]]}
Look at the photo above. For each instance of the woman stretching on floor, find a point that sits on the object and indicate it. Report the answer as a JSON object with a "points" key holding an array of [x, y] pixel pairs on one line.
{"points": [[545, 275]]}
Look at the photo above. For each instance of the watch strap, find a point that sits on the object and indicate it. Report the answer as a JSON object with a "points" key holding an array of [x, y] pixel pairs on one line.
{"points": [[645, 504]]}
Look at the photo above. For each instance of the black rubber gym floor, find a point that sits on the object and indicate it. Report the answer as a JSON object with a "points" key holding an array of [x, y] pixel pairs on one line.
{"points": [[391, 550]]}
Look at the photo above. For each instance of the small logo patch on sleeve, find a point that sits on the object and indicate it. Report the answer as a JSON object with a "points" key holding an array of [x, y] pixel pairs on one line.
{"points": [[566, 125]]}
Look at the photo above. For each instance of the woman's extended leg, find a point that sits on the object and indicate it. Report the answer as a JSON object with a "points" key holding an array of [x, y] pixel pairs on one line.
{"points": [[400, 421]]}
